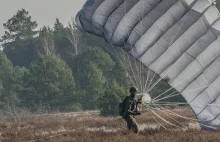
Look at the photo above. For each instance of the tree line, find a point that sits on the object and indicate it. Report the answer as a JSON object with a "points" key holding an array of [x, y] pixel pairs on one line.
{"points": [[59, 68]]}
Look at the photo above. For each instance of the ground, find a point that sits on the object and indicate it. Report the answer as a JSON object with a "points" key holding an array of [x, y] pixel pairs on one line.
{"points": [[90, 127]]}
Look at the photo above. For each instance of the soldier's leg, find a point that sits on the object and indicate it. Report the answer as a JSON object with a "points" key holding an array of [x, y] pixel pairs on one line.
{"points": [[129, 124], [135, 126]]}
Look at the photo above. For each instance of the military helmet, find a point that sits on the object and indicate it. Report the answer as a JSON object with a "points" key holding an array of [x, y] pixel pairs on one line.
{"points": [[133, 89]]}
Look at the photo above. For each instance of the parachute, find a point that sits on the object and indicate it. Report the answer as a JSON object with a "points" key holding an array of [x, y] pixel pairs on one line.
{"points": [[177, 39]]}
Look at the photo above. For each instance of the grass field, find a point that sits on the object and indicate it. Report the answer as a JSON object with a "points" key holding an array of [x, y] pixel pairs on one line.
{"points": [[90, 127]]}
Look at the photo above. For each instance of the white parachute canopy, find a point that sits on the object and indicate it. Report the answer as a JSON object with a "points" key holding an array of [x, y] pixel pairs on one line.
{"points": [[146, 98], [177, 39]]}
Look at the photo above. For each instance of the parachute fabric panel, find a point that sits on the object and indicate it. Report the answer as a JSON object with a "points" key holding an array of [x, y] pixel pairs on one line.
{"points": [[177, 39], [148, 20]]}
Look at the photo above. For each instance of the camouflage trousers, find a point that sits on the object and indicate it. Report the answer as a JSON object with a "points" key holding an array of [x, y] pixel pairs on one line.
{"points": [[131, 123]]}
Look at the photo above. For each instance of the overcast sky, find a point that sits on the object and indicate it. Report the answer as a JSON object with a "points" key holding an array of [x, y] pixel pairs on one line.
{"points": [[43, 11]]}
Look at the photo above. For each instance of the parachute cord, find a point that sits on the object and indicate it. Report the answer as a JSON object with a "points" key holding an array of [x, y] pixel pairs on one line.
{"points": [[168, 96], [141, 72], [187, 118], [121, 62], [190, 119], [118, 57], [160, 124], [103, 45], [133, 70], [173, 86], [164, 120], [158, 121], [185, 92], [150, 83], [145, 85], [136, 66], [125, 65], [175, 114], [172, 66], [182, 81], [154, 72], [134, 75], [141, 78], [170, 116], [171, 103]]}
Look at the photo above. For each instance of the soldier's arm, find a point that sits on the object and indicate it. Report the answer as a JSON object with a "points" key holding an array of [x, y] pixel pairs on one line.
{"points": [[130, 111]]}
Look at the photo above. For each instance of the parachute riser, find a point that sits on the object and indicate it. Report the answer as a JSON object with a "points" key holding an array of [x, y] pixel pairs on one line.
{"points": [[143, 100]]}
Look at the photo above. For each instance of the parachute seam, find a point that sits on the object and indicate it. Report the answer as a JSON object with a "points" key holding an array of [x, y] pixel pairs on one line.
{"points": [[132, 27], [108, 16], [199, 76], [179, 37], [200, 41], [216, 115], [194, 59], [212, 114], [200, 15], [171, 28], [202, 73], [164, 32], [153, 10], [188, 8], [206, 93], [89, 20], [207, 106], [183, 51], [123, 15], [205, 89], [192, 15]]}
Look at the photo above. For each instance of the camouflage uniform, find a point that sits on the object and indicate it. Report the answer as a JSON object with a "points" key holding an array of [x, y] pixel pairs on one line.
{"points": [[129, 114]]}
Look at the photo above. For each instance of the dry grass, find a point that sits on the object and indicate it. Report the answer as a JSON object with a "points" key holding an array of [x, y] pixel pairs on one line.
{"points": [[89, 127]]}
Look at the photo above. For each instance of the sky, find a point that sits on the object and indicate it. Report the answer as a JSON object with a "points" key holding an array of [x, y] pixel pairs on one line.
{"points": [[43, 11]]}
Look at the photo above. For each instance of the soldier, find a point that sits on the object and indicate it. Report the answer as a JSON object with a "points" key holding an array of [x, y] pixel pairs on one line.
{"points": [[131, 111]]}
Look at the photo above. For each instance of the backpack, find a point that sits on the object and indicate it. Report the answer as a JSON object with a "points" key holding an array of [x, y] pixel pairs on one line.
{"points": [[121, 106]]}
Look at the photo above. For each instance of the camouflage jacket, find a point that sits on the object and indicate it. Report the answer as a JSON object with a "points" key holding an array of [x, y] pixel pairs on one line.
{"points": [[130, 104]]}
